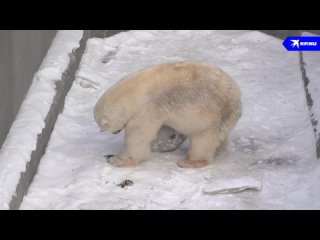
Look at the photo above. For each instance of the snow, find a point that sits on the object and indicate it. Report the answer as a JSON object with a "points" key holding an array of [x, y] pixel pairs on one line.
{"points": [[273, 143], [312, 66], [22, 137]]}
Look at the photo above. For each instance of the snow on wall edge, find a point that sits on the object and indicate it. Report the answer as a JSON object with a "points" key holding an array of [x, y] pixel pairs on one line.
{"points": [[21, 140]]}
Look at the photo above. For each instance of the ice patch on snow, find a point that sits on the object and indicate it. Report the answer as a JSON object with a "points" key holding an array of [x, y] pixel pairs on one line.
{"points": [[232, 185]]}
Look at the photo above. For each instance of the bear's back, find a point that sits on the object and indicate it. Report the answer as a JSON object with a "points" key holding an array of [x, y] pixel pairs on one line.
{"points": [[174, 85]]}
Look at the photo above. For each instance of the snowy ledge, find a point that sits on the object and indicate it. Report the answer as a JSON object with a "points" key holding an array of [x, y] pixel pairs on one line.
{"points": [[311, 76], [29, 134], [27, 138]]}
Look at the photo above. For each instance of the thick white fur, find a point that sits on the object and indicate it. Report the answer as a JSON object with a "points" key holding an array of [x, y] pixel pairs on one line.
{"points": [[196, 99]]}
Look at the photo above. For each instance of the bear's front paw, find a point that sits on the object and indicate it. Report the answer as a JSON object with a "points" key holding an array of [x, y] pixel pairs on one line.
{"points": [[192, 164], [117, 161]]}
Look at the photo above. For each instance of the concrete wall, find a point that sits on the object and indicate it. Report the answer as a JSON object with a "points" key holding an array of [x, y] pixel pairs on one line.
{"points": [[282, 34], [21, 53]]}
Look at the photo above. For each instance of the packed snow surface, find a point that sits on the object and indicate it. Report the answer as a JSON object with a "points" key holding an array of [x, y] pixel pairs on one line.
{"points": [[312, 66], [272, 149]]}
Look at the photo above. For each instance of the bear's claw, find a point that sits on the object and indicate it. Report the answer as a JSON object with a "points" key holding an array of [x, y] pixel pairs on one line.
{"points": [[108, 156]]}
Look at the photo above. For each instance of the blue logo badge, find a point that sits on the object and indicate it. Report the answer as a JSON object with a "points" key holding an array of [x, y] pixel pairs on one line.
{"points": [[298, 43]]}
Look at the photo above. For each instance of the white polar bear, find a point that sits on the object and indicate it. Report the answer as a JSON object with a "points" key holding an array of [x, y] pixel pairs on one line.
{"points": [[196, 99]]}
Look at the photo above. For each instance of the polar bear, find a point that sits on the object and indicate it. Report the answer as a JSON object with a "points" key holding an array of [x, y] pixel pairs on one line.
{"points": [[196, 99]]}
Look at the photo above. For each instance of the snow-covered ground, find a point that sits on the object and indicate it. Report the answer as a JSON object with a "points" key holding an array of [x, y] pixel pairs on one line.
{"points": [[272, 153], [22, 137], [312, 66]]}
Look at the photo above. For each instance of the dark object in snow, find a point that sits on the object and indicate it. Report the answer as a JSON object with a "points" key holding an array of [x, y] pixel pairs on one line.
{"points": [[173, 136], [167, 140], [125, 183], [108, 156], [279, 161]]}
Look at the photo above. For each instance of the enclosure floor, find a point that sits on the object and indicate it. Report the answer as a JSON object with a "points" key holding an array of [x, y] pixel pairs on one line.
{"points": [[272, 144]]}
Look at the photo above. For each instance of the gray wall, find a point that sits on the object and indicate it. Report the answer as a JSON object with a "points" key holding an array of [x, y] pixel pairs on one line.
{"points": [[285, 33], [21, 53]]}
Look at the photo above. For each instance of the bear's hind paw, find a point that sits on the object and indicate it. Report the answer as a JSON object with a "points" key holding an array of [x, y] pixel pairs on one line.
{"points": [[192, 164], [117, 161]]}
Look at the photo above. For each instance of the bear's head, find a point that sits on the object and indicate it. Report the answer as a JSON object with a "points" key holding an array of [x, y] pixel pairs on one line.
{"points": [[109, 115]]}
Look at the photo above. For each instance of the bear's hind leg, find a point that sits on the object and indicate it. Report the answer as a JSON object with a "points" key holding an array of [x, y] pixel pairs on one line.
{"points": [[139, 133], [222, 148], [203, 147]]}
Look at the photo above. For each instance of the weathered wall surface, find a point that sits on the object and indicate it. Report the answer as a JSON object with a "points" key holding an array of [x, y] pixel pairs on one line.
{"points": [[21, 53]]}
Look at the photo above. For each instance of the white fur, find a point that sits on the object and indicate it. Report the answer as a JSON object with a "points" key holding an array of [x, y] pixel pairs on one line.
{"points": [[196, 99]]}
